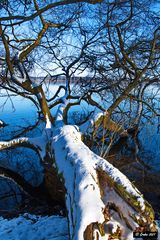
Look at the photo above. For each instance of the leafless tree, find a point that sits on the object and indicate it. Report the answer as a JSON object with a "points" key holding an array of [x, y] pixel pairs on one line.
{"points": [[117, 44]]}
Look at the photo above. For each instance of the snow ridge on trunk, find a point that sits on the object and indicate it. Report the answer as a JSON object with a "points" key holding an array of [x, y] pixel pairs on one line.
{"points": [[83, 195]]}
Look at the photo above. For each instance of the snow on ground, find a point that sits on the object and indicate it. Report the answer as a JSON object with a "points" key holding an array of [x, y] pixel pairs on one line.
{"points": [[31, 227]]}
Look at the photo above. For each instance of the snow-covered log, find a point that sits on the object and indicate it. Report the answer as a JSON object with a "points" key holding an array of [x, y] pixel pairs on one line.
{"points": [[14, 143], [101, 202]]}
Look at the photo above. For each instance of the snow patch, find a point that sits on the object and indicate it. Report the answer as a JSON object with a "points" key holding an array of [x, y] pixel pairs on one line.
{"points": [[48, 122], [33, 227], [1, 122]]}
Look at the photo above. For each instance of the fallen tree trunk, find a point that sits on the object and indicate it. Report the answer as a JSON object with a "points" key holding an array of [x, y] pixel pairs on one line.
{"points": [[101, 202]]}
